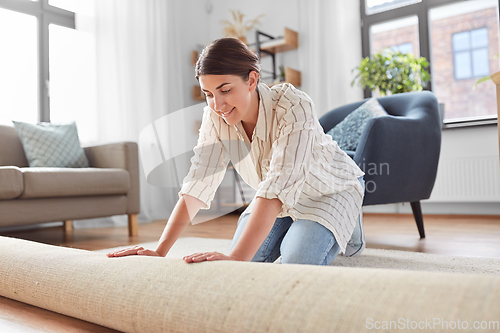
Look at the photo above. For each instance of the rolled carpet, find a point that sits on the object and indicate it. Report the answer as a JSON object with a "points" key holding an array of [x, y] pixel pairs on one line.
{"points": [[151, 294]]}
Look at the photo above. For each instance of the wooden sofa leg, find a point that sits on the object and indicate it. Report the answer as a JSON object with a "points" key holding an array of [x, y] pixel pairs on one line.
{"points": [[68, 226], [133, 225], [417, 213]]}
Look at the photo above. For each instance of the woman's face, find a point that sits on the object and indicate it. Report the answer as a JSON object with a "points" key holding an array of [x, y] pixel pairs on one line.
{"points": [[231, 97]]}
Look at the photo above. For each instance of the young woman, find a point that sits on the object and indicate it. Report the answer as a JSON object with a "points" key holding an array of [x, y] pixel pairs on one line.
{"points": [[309, 192]]}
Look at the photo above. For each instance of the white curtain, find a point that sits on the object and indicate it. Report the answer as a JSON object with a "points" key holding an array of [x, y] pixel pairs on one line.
{"points": [[139, 80], [330, 47]]}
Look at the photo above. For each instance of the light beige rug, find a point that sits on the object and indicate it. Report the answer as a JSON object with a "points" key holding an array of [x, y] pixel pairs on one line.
{"points": [[371, 258]]}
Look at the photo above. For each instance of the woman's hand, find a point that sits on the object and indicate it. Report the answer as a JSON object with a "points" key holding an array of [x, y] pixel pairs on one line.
{"points": [[206, 256], [131, 251]]}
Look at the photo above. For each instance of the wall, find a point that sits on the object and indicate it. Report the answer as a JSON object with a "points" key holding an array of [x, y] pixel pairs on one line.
{"points": [[466, 143]]}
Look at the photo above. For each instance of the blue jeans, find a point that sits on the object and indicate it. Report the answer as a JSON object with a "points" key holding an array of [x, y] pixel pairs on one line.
{"points": [[299, 242]]}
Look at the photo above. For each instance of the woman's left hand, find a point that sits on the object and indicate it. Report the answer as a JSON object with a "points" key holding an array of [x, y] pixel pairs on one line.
{"points": [[206, 256]]}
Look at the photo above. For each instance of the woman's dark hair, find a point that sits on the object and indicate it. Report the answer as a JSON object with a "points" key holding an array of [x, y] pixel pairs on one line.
{"points": [[227, 56]]}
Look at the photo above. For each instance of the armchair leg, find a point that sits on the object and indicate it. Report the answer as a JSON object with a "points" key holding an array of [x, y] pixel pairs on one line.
{"points": [[417, 213], [68, 226], [133, 225]]}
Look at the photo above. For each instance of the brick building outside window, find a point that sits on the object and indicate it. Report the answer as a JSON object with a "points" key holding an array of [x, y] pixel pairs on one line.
{"points": [[463, 47]]}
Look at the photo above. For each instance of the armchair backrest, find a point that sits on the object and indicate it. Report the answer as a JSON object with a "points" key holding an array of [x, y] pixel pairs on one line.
{"points": [[407, 142], [403, 105], [11, 148]]}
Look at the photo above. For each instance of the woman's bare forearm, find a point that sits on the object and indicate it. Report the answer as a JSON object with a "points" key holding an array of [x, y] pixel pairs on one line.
{"points": [[185, 210], [258, 226]]}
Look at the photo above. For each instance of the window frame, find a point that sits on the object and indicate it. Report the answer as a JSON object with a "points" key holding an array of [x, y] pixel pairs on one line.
{"points": [[45, 15], [421, 10]]}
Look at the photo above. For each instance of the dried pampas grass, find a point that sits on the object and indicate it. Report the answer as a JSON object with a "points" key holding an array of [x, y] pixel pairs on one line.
{"points": [[239, 28]]}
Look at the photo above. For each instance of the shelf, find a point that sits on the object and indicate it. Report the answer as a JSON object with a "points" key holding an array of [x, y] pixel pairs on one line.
{"points": [[291, 76], [197, 94], [194, 57], [289, 42]]}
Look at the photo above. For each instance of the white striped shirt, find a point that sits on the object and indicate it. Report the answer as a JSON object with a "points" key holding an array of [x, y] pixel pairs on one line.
{"points": [[289, 158]]}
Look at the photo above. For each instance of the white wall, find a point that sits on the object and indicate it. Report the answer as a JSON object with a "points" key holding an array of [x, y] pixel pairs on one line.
{"points": [[477, 142]]}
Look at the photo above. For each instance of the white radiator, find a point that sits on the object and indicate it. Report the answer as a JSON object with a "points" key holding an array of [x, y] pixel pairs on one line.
{"points": [[471, 179]]}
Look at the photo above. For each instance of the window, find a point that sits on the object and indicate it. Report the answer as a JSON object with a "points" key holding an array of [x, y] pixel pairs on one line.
{"points": [[398, 35], [464, 42], [18, 67], [69, 5], [470, 52], [71, 85], [459, 38], [404, 48], [377, 6], [24, 57]]}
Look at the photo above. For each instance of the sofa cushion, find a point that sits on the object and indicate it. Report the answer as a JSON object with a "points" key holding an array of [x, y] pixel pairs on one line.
{"points": [[11, 182], [11, 148], [70, 182], [51, 145], [348, 131]]}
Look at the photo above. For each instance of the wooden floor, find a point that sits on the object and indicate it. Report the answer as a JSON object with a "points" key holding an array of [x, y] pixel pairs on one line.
{"points": [[472, 236]]}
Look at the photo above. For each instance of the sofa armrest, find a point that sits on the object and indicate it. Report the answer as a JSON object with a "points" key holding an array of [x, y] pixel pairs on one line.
{"points": [[121, 155], [400, 157]]}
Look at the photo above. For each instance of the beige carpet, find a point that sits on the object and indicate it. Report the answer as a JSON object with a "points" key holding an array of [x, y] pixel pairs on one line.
{"points": [[371, 258]]}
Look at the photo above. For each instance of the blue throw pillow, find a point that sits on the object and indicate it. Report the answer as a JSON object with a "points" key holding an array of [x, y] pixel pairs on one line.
{"points": [[51, 145], [348, 131]]}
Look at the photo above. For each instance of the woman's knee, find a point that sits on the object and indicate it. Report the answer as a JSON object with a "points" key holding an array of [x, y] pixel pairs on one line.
{"points": [[309, 243], [296, 256]]}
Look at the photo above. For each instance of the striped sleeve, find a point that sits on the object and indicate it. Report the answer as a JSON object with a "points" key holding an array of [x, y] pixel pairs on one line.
{"points": [[291, 152], [208, 165]]}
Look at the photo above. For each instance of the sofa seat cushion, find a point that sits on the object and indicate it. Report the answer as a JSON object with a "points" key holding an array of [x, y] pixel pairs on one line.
{"points": [[11, 182], [70, 182]]}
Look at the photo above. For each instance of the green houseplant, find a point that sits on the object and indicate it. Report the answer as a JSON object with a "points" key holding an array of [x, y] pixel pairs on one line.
{"points": [[393, 72], [484, 78]]}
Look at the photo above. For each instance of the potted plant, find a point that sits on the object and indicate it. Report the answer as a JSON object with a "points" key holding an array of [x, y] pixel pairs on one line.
{"points": [[484, 78], [392, 72]]}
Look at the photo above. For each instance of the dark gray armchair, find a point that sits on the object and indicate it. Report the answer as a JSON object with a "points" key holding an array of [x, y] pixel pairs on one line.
{"points": [[399, 153]]}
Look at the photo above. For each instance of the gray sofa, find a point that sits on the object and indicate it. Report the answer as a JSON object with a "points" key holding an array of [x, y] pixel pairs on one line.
{"points": [[37, 195]]}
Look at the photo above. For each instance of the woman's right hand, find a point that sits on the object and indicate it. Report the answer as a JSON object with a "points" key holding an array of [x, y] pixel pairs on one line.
{"points": [[131, 251]]}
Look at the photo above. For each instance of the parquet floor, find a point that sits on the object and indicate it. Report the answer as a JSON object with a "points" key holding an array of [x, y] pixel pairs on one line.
{"points": [[477, 236]]}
